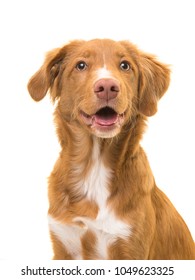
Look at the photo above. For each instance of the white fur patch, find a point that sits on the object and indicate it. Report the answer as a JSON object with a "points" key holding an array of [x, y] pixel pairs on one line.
{"points": [[95, 187], [103, 73], [95, 184], [70, 236], [106, 227]]}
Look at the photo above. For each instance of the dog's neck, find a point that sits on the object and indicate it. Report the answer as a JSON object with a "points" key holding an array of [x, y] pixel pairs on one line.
{"points": [[87, 157]]}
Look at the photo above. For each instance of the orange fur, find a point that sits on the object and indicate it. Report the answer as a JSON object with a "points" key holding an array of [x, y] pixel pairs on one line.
{"points": [[157, 230]]}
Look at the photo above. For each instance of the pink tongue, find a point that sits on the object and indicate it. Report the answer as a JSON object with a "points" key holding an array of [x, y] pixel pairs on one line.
{"points": [[106, 120]]}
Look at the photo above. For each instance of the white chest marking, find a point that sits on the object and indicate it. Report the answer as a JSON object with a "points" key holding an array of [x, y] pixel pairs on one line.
{"points": [[95, 188], [106, 226]]}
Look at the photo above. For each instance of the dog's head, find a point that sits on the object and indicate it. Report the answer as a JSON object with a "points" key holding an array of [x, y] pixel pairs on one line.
{"points": [[101, 83]]}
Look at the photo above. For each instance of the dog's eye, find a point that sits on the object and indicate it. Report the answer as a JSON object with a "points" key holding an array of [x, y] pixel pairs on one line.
{"points": [[81, 66], [125, 66]]}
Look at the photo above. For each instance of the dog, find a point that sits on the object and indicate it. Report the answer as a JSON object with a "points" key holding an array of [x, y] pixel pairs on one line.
{"points": [[104, 202]]}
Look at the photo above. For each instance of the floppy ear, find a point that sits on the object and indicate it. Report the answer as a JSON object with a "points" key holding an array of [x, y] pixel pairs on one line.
{"points": [[44, 78], [154, 81]]}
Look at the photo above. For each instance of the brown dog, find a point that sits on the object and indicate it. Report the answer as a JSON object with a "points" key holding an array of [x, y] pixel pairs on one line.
{"points": [[104, 203]]}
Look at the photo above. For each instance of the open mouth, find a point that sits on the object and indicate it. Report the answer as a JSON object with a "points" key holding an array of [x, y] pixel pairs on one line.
{"points": [[105, 117]]}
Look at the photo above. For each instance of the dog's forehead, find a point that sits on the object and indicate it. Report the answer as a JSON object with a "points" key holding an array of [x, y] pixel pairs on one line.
{"points": [[102, 49]]}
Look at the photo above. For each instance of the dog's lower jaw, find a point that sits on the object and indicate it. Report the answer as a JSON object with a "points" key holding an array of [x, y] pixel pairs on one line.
{"points": [[108, 132]]}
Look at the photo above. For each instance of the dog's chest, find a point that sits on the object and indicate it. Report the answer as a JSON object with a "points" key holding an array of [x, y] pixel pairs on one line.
{"points": [[106, 227]]}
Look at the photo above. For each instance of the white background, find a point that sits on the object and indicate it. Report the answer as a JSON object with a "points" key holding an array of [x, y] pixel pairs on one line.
{"points": [[29, 147]]}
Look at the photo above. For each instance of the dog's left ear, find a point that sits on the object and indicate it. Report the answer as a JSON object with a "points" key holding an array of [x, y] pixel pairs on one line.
{"points": [[153, 83]]}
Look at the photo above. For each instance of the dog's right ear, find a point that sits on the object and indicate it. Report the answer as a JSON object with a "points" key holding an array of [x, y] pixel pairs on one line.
{"points": [[43, 79]]}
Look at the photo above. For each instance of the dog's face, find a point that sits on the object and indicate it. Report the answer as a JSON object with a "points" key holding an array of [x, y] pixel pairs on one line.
{"points": [[101, 83]]}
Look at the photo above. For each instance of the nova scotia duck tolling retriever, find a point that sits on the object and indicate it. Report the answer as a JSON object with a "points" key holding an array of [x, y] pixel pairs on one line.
{"points": [[103, 199]]}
